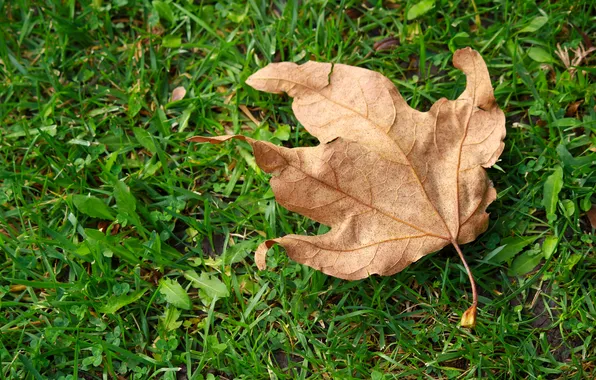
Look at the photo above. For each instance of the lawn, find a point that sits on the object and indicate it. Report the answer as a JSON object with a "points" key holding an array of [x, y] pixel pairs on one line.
{"points": [[126, 252]]}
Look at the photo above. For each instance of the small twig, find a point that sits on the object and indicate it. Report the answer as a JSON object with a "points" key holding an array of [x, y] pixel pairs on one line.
{"points": [[537, 295]]}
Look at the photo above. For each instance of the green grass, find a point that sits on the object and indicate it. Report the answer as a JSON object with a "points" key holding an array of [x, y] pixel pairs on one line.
{"points": [[95, 287]]}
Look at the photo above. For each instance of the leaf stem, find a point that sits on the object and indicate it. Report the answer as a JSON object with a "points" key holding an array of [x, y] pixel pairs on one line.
{"points": [[472, 282]]}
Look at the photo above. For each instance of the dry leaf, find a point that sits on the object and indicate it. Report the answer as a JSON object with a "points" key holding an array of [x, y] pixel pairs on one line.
{"points": [[386, 44], [353, 13], [573, 107], [178, 94], [394, 184], [591, 213]]}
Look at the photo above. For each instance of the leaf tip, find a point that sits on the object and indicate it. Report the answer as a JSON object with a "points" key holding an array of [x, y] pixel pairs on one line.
{"points": [[464, 51], [291, 78], [479, 89], [464, 57], [251, 80], [261, 253], [260, 256], [199, 139], [267, 78], [217, 139], [468, 319]]}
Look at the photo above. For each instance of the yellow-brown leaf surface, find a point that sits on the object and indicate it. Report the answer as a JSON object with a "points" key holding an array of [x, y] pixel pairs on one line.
{"points": [[394, 184]]}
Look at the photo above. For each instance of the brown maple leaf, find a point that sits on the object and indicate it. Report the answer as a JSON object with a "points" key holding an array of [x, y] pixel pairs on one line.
{"points": [[394, 184]]}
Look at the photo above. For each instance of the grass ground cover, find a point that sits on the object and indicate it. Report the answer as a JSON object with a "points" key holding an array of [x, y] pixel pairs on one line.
{"points": [[125, 252]]}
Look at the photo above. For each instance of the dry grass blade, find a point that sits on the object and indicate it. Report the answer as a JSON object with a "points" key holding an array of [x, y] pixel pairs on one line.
{"points": [[579, 55]]}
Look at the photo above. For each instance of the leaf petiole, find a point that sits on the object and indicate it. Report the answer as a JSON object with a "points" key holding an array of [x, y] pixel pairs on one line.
{"points": [[468, 319]]}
